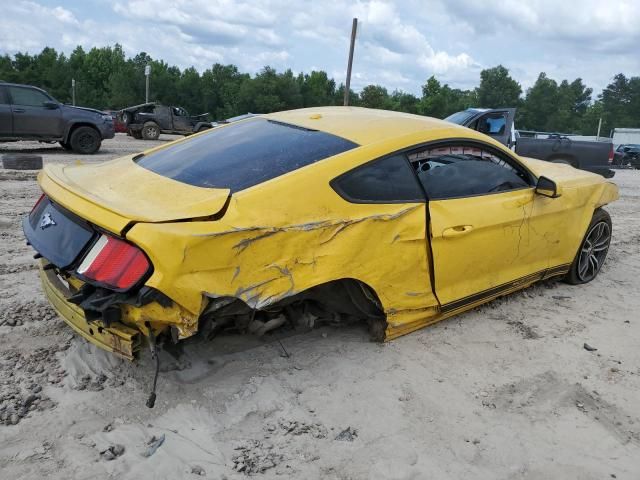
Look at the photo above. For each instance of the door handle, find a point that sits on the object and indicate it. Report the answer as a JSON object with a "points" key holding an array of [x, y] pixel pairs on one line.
{"points": [[456, 231], [18, 110]]}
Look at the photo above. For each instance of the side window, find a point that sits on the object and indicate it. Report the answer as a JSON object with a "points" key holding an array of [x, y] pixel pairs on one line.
{"points": [[455, 171], [493, 124], [389, 180], [4, 98], [27, 97]]}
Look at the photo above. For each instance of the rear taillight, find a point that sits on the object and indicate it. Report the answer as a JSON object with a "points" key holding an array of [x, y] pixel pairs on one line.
{"points": [[114, 263], [611, 154], [42, 197]]}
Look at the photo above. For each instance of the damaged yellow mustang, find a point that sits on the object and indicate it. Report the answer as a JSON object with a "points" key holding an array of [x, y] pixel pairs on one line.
{"points": [[331, 213]]}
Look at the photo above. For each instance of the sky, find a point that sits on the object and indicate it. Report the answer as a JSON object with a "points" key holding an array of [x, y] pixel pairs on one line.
{"points": [[399, 45]]}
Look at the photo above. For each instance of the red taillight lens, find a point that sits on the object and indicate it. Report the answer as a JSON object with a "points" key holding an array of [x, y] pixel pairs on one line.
{"points": [[42, 197], [611, 154], [114, 263]]}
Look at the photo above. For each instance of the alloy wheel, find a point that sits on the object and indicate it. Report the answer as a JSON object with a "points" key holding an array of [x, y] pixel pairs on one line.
{"points": [[593, 251]]}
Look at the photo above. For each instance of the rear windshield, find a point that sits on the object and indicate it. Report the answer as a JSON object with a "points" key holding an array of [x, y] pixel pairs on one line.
{"points": [[243, 154]]}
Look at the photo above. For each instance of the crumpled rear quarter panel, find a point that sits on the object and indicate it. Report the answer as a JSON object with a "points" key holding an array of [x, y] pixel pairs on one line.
{"points": [[289, 234]]}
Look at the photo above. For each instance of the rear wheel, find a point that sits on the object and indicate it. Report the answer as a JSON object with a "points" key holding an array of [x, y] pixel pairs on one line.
{"points": [[85, 140], [150, 131], [593, 250]]}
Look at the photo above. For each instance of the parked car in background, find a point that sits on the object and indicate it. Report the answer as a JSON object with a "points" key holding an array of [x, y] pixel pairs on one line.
{"points": [[149, 120], [498, 123], [627, 156], [118, 124], [30, 113]]}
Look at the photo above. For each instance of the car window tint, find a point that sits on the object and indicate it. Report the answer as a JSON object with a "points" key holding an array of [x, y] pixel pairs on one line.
{"points": [[389, 180], [463, 171], [27, 97], [4, 98], [243, 154], [493, 124], [461, 117]]}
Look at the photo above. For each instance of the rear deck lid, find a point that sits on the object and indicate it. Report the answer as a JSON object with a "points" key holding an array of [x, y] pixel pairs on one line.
{"points": [[115, 193], [55, 233]]}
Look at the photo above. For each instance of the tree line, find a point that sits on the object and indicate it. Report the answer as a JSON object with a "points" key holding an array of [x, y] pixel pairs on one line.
{"points": [[107, 79]]}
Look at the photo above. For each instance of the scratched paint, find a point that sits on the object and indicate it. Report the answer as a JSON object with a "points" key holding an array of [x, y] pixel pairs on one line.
{"points": [[295, 232]]}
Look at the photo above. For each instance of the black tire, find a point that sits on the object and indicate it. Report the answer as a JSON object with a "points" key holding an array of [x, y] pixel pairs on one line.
{"points": [[65, 145], [22, 162], [203, 128], [137, 134], [85, 140], [593, 249], [150, 131]]}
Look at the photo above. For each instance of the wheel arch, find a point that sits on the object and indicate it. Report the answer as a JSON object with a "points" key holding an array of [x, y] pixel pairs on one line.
{"points": [[563, 158], [75, 125], [348, 297], [199, 125]]}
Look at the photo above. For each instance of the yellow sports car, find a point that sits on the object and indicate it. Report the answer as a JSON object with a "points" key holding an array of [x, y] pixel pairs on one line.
{"points": [[322, 214]]}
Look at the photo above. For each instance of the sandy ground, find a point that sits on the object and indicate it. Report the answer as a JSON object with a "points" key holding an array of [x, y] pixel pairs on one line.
{"points": [[504, 391]]}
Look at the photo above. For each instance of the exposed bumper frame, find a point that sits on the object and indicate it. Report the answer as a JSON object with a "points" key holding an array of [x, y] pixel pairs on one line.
{"points": [[117, 338]]}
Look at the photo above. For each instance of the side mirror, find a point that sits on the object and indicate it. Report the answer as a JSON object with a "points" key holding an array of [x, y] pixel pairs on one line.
{"points": [[547, 187], [50, 105]]}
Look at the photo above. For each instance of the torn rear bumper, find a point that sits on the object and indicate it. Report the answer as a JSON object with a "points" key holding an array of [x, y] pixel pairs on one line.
{"points": [[117, 338]]}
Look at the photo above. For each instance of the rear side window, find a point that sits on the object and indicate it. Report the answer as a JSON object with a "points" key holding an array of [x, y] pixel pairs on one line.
{"points": [[388, 180], [27, 97], [244, 154], [3, 95]]}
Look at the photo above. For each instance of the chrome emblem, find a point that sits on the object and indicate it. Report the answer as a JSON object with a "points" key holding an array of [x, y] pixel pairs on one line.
{"points": [[47, 221]]}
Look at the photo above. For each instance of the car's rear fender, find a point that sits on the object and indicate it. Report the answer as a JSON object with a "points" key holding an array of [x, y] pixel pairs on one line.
{"points": [[271, 246]]}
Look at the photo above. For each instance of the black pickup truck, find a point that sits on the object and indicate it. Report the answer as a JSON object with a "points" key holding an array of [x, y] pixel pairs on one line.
{"points": [[593, 156], [30, 113], [149, 120]]}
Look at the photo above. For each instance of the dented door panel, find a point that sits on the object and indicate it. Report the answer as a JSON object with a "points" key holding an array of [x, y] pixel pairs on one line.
{"points": [[495, 249]]}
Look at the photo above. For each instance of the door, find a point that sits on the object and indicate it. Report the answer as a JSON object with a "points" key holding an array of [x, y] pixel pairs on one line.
{"points": [[30, 115], [6, 121], [498, 124], [485, 236], [181, 120]]}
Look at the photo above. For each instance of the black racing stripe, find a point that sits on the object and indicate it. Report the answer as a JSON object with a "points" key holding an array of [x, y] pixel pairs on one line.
{"points": [[560, 269], [492, 292], [550, 272]]}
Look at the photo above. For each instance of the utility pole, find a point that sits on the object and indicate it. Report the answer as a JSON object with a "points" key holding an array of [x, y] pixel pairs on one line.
{"points": [[73, 92], [347, 87], [599, 127], [147, 73]]}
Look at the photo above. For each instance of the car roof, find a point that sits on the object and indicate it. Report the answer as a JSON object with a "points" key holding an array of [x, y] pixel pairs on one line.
{"points": [[10, 84], [360, 125]]}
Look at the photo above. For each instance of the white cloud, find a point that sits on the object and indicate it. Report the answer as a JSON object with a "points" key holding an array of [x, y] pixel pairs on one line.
{"points": [[597, 25], [399, 45]]}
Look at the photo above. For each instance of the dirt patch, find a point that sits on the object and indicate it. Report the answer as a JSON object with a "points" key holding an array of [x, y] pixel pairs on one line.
{"points": [[23, 377], [504, 391]]}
